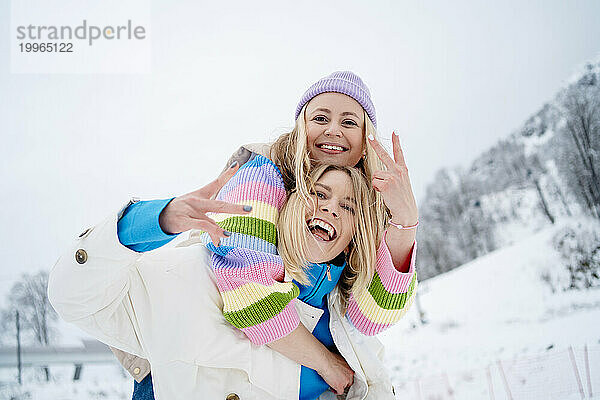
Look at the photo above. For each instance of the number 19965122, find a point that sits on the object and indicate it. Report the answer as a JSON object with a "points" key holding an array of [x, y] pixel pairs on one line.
{"points": [[46, 47]]}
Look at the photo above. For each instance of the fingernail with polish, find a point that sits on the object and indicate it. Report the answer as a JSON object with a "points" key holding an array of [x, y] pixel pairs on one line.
{"points": [[227, 233], [247, 208], [371, 137], [233, 165]]}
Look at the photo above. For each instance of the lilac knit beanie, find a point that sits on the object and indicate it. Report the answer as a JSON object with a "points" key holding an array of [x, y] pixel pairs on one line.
{"points": [[345, 82]]}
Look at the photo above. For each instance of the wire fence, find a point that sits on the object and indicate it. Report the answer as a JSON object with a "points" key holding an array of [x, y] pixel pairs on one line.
{"points": [[569, 374]]}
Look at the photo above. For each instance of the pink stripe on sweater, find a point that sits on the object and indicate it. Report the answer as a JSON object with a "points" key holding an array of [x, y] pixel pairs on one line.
{"points": [[275, 328], [265, 273], [361, 322], [256, 190], [265, 172], [393, 281]]}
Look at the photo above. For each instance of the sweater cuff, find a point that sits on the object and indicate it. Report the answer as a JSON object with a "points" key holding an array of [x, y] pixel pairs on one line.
{"points": [[393, 280], [275, 328], [140, 223]]}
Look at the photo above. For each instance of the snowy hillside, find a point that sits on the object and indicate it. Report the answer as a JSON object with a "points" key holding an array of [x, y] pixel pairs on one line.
{"points": [[547, 169], [496, 307]]}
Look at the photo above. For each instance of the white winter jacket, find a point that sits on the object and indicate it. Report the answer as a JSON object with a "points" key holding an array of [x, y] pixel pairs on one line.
{"points": [[164, 305]]}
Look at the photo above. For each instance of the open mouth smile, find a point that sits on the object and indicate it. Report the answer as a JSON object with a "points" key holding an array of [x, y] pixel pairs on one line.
{"points": [[331, 148], [321, 230]]}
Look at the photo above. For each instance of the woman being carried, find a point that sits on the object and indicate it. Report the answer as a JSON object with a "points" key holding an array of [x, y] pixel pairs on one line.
{"points": [[193, 350], [335, 230], [331, 127]]}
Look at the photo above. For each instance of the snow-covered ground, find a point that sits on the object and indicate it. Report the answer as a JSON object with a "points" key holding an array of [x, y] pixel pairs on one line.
{"points": [[493, 326], [497, 308], [98, 382]]}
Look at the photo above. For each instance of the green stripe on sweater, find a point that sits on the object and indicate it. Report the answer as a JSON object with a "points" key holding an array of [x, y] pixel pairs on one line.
{"points": [[262, 310], [251, 226], [387, 300]]}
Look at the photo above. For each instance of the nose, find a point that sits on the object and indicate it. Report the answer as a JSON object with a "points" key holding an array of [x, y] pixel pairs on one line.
{"points": [[333, 130], [330, 208]]}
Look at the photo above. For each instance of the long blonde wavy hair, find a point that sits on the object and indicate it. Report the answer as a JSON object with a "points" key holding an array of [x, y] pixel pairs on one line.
{"points": [[293, 233], [290, 154]]}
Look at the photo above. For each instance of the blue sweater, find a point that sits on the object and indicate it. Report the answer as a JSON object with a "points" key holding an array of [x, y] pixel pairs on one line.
{"points": [[311, 383], [139, 230]]}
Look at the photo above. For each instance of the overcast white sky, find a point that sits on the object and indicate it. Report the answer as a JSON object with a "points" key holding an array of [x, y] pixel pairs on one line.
{"points": [[451, 77]]}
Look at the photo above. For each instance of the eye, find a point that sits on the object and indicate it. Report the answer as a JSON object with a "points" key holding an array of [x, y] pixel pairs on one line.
{"points": [[348, 208], [350, 122], [320, 195], [323, 119]]}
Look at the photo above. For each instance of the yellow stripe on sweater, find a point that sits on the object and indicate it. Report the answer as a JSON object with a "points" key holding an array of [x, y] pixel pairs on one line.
{"points": [[250, 293], [371, 310], [260, 209]]}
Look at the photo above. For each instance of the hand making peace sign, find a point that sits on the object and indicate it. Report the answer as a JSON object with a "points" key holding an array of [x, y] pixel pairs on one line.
{"points": [[394, 183]]}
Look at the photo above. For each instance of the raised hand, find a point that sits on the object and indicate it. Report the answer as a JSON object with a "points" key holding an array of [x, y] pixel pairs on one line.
{"points": [[394, 183], [189, 210]]}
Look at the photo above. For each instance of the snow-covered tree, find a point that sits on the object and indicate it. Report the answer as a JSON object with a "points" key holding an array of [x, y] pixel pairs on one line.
{"points": [[28, 296], [579, 144]]}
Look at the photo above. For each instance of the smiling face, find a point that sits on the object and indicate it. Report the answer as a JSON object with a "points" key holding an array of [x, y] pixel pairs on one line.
{"points": [[334, 129], [332, 223]]}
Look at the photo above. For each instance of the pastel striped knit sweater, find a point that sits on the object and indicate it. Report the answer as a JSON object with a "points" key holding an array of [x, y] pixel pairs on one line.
{"points": [[250, 273]]}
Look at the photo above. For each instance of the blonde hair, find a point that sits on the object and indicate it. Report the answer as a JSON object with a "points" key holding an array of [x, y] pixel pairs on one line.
{"points": [[290, 154], [293, 233]]}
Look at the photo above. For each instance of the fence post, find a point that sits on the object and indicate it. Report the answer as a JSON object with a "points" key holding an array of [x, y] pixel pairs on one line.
{"points": [[77, 374], [19, 347], [504, 380], [418, 383], [491, 386], [577, 377], [587, 370], [450, 391]]}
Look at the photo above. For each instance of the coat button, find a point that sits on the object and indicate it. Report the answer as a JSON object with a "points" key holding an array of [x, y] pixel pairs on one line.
{"points": [[80, 256], [232, 396], [136, 370]]}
